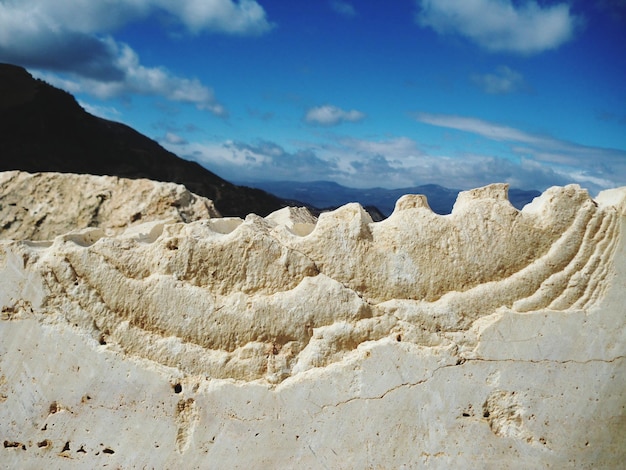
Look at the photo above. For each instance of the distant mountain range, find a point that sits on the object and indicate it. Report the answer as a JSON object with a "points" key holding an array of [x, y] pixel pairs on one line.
{"points": [[326, 194], [43, 128]]}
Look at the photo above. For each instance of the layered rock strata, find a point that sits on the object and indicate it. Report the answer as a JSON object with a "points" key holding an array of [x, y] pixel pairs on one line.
{"points": [[488, 337]]}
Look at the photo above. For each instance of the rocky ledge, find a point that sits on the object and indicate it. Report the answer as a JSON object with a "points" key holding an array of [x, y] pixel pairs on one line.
{"points": [[489, 337]]}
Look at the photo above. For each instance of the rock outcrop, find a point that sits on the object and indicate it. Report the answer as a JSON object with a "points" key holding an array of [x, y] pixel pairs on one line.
{"points": [[489, 337], [41, 206]]}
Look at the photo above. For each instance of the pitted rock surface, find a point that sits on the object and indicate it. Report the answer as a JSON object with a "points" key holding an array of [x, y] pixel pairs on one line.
{"points": [[40, 206], [483, 334]]}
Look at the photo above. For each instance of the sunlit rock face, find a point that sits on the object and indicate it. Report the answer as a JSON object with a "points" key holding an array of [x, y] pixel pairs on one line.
{"points": [[487, 338], [40, 206]]}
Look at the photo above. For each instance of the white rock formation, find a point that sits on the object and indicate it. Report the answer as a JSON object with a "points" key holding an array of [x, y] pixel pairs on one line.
{"points": [[40, 206], [487, 338]]}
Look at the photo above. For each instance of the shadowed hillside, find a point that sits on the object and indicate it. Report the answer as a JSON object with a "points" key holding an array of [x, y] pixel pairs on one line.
{"points": [[43, 128]]}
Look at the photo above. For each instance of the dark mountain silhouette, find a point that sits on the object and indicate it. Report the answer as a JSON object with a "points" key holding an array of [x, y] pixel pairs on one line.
{"points": [[326, 194], [43, 128]]}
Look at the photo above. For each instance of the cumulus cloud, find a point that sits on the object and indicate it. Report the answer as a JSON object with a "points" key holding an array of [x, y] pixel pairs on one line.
{"points": [[501, 25], [97, 16], [174, 139], [328, 115], [74, 37], [503, 81], [68, 34], [67, 51], [343, 8], [136, 78]]}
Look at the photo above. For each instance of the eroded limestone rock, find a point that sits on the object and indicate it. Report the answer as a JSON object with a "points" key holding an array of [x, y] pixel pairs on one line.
{"points": [[40, 206], [489, 337]]}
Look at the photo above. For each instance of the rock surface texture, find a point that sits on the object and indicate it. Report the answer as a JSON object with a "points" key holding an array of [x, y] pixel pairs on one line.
{"points": [[487, 338], [40, 206]]}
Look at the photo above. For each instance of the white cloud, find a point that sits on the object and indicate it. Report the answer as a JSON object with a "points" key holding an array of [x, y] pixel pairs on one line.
{"points": [[136, 78], [503, 81], [238, 161], [534, 161], [393, 163], [174, 139], [242, 17], [328, 115], [73, 37], [106, 112], [97, 16], [343, 8], [501, 25], [596, 167], [478, 126], [401, 162], [564, 152]]}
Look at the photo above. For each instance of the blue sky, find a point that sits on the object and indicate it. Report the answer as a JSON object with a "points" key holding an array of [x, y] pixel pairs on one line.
{"points": [[362, 92]]}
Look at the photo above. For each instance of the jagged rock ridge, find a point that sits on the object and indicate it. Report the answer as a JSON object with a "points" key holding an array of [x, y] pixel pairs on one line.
{"points": [[482, 334], [213, 297], [327, 194]]}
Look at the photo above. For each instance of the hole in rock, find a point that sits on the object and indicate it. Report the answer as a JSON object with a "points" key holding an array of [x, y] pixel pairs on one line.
{"points": [[82, 450], [54, 408], [135, 217], [399, 338], [66, 447], [466, 415], [44, 443], [178, 388], [108, 451], [486, 414]]}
